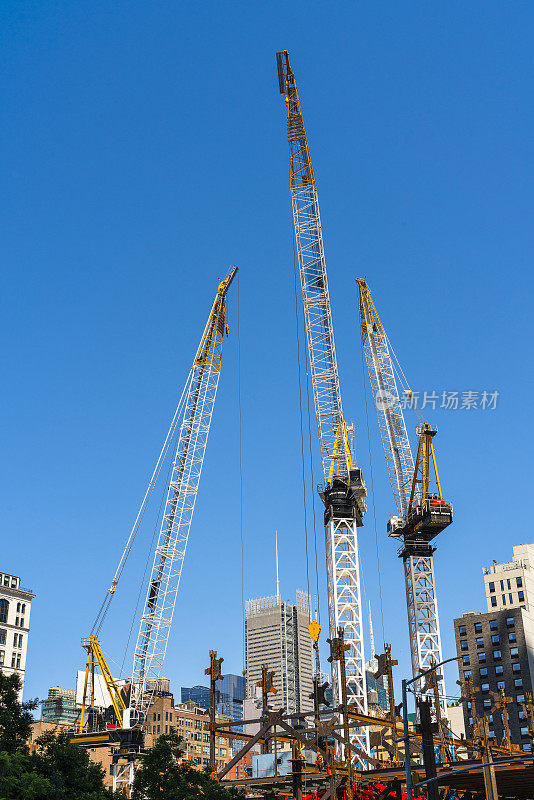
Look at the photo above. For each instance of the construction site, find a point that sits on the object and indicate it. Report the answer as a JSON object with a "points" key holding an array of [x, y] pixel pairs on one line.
{"points": [[319, 737]]}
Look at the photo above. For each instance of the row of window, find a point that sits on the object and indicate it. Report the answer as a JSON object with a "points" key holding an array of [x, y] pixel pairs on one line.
{"points": [[15, 659], [520, 598], [518, 583], [494, 626], [495, 639], [9, 581], [499, 670], [4, 611], [497, 656], [17, 638]]}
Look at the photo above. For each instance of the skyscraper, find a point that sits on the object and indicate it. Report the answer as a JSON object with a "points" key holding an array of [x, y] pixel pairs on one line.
{"points": [[276, 634], [229, 695]]}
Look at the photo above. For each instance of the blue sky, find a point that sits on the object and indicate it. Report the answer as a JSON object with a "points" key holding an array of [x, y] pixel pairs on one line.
{"points": [[143, 151]]}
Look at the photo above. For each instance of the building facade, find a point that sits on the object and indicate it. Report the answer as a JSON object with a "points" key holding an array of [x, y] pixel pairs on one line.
{"points": [[15, 606], [60, 707], [276, 634], [229, 696], [511, 585], [496, 649]]}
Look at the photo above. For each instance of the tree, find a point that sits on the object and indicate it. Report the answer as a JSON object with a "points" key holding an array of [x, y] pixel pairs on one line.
{"points": [[57, 770], [68, 769], [15, 718], [162, 776]]}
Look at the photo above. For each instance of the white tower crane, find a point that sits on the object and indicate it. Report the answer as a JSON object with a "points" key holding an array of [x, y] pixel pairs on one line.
{"points": [[344, 490], [422, 515]]}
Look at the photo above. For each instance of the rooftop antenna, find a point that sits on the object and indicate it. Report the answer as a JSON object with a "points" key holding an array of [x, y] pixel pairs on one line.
{"points": [[277, 579], [371, 634]]}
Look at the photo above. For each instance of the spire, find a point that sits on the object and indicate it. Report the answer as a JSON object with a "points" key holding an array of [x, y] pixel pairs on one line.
{"points": [[371, 634], [276, 552]]}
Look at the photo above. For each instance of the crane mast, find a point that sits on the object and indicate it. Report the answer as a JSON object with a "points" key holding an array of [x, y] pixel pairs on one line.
{"points": [[344, 490], [421, 515], [169, 555]]}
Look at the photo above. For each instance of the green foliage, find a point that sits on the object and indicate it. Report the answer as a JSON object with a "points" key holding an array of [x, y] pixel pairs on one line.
{"points": [[15, 719], [57, 770], [161, 776]]}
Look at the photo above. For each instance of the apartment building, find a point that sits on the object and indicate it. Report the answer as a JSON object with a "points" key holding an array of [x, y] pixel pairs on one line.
{"points": [[15, 606], [511, 585], [495, 650]]}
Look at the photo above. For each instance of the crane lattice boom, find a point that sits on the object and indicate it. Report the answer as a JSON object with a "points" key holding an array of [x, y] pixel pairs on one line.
{"points": [[180, 502], [421, 515], [344, 490]]}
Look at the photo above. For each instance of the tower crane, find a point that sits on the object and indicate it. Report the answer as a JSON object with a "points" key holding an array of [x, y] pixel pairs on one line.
{"points": [[422, 513], [193, 417], [344, 491]]}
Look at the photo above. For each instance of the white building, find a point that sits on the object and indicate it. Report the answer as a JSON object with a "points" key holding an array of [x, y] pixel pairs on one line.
{"points": [[511, 585], [15, 605]]}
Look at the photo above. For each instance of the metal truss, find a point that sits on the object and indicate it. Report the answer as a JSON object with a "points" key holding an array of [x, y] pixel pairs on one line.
{"points": [[422, 605], [345, 610], [423, 620], [123, 775], [395, 440], [343, 569], [179, 506]]}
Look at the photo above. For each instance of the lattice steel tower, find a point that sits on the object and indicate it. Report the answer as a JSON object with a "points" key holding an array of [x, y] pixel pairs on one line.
{"points": [[422, 515], [344, 490]]}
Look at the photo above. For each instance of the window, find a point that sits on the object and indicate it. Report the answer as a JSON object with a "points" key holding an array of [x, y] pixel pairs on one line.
{"points": [[520, 698], [493, 601], [526, 746], [497, 655], [510, 622], [495, 639], [481, 657], [470, 720], [521, 596], [153, 716], [467, 674], [13, 658], [22, 622], [512, 637], [504, 599], [492, 734], [519, 582], [159, 717], [170, 716], [480, 642], [502, 586], [521, 714], [464, 645], [524, 731], [499, 669], [485, 687], [487, 703], [510, 598], [516, 667], [491, 586], [478, 627], [508, 583], [518, 683], [153, 729], [18, 608], [3, 634], [166, 717], [462, 630], [483, 672], [158, 728], [501, 685], [166, 728], [2, 657], [4, 610], [514, 651], [493, 625]]}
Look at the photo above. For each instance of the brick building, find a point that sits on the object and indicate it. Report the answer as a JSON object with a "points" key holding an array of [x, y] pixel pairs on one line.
{"points": [[494, 650]]}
